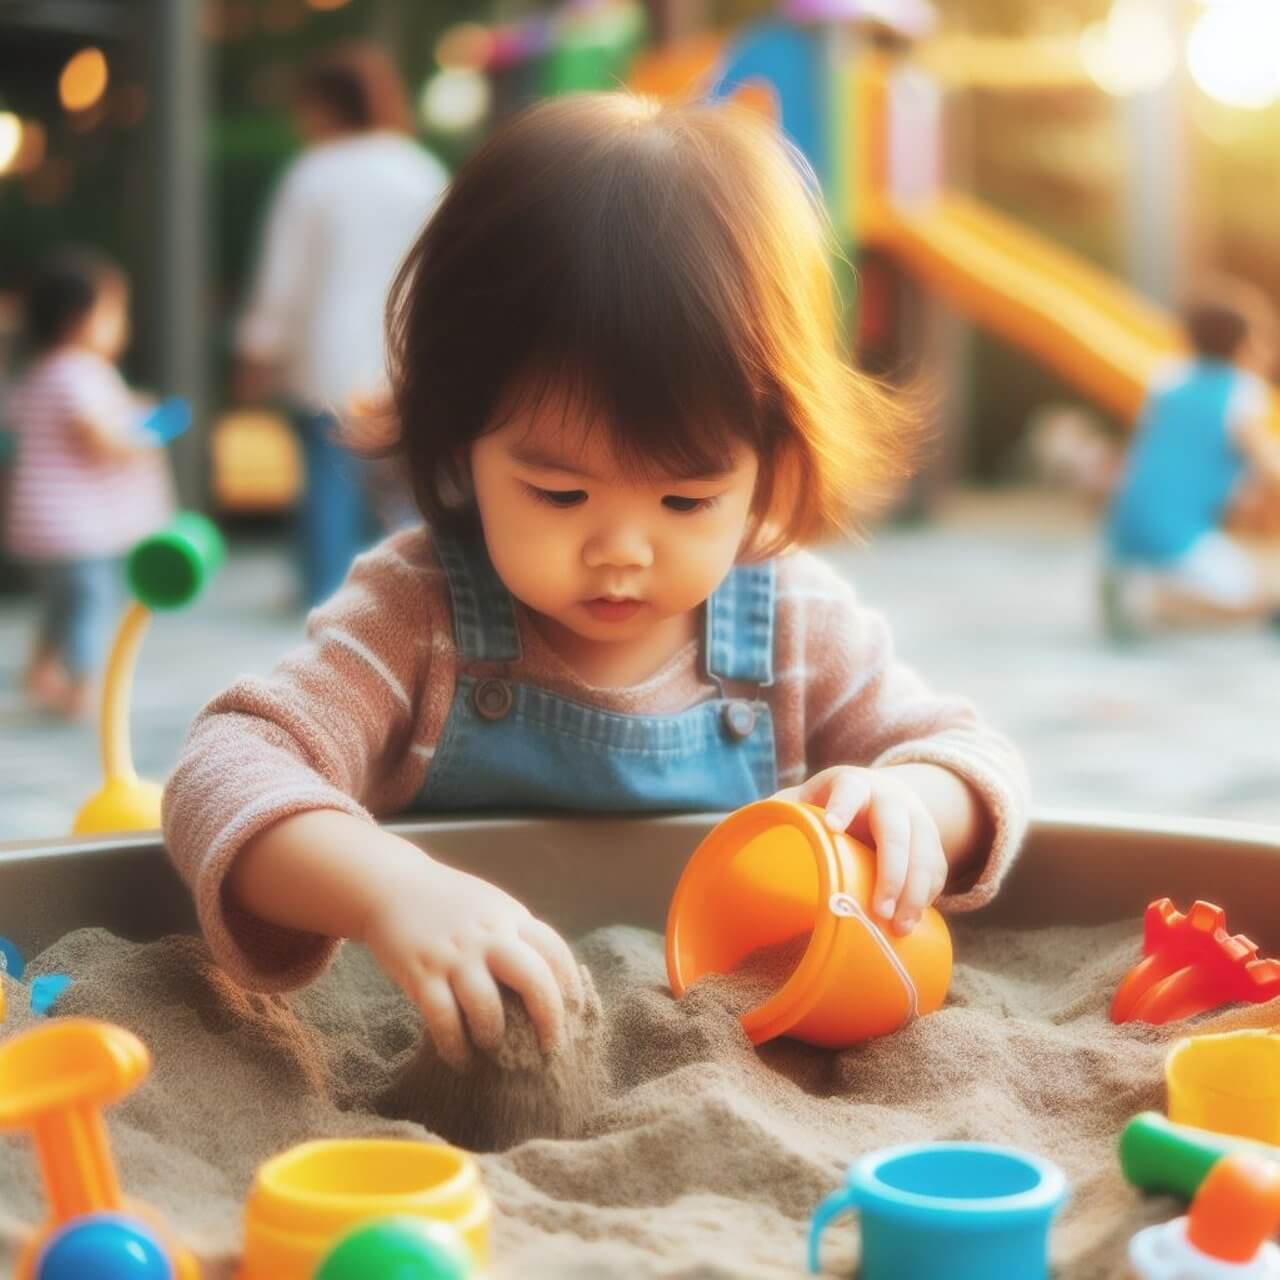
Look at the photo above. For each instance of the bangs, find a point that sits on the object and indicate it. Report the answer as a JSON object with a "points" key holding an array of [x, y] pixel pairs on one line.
{"points": [[635, 303], [646, 357]]}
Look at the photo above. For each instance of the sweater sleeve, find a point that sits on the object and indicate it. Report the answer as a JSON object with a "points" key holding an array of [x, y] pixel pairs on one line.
{"points": [[323, 731], [865, 707]]}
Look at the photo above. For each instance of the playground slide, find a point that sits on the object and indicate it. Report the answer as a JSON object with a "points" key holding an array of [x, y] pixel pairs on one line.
{"points": [[1098, 335]]}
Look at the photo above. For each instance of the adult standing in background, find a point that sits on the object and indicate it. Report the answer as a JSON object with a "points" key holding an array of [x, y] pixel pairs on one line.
{"points": [[344, 214]]}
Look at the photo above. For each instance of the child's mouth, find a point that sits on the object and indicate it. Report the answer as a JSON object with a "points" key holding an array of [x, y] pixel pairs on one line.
{"points": [[605, 609]]}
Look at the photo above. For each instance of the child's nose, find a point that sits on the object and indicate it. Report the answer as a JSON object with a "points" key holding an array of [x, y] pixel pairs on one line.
{"points": [[619, 547]]}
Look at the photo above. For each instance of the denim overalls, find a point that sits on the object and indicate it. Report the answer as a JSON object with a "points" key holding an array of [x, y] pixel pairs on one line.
{"points": [[511, 745]]}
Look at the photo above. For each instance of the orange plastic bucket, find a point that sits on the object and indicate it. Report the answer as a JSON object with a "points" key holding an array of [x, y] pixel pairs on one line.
{"points": [[773, 871]]}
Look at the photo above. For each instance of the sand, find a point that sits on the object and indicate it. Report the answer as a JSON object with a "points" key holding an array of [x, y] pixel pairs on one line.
{"points": [[682, 1152], [513, 1094]]}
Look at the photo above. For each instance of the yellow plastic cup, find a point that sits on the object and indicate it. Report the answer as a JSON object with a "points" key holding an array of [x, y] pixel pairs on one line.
{"points": [[305, 1200], [1227, 1083]]}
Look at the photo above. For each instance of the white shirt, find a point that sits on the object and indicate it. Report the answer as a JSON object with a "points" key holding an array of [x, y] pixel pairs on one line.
{"points": [[341, 221]]}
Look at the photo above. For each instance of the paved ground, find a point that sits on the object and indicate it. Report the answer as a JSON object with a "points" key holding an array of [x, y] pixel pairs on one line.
{"points": [[994, 599]]}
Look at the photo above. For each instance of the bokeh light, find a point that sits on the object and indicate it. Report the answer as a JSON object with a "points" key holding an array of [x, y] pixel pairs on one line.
{"points": [[1133, 50], [1233, 53], [33, 148], [323, 5], [83, 80], [455, 100], [10, 140]]}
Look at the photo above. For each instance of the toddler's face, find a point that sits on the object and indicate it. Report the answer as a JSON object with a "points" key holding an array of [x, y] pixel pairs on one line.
{"points": [[598, 551]]}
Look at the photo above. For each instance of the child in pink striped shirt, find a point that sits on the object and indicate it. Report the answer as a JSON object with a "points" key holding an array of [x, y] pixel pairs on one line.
{"points": [[619, 393], [87, 483]]}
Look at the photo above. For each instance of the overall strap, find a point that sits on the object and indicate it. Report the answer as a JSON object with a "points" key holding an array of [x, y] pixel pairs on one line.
{"points": [[740, 625], [484, 615]]}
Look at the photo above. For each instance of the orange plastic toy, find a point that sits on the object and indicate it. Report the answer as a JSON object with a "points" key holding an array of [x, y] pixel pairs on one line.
{"points": [[54, 1081], [774, 871], [1192, 965], [1232, 1219]]}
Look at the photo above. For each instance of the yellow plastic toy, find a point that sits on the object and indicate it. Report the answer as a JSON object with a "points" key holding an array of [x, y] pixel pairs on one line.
{"points": [[165, 571], [54, 1081], [1228, 1083], [307, 1199], [774, 871]]}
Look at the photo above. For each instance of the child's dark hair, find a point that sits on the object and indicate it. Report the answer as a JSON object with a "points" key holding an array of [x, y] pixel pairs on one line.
{"points": [[359, 85], [1221, 313], [62, 291], [666, 268]]}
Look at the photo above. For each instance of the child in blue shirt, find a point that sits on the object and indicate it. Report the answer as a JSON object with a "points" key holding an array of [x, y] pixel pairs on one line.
{"points": [[1204, 427]]}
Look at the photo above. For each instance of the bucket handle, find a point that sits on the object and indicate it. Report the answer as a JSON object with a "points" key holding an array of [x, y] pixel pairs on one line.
{"points": [[834, 1206]]}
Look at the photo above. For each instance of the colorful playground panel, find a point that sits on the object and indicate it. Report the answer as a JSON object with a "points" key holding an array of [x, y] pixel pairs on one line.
{"points": [[869, 124]]}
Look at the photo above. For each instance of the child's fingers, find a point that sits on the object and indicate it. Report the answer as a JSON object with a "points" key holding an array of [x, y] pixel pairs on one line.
{"points": [[439, 1009], [517, 965], [891, 830], [922, 875], [481, 1003], [555, 951], [811, 791], [847, 798]]}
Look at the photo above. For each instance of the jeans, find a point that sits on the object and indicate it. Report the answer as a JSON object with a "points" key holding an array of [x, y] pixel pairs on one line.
{"points": [[334, 519], [79, 600]]}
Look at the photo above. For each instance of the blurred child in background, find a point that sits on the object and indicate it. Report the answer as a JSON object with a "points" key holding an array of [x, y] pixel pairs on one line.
{"points": [[1203, 433], [88, 480]]}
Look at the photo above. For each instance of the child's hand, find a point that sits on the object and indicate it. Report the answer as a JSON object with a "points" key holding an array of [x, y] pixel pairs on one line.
{"points": [[448, 938], [884, 811]]}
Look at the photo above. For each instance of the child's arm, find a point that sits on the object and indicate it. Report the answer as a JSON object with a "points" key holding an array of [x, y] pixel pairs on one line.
{"points": [[445, 937], [105, 442], [942, 796], [268, 816]]}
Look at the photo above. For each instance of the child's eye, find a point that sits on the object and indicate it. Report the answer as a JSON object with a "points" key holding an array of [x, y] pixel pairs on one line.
{"points": [[558, 497], [673, 502]]}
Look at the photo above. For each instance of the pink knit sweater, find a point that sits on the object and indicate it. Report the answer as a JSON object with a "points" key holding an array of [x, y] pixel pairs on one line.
{"points": [[350, 721]]}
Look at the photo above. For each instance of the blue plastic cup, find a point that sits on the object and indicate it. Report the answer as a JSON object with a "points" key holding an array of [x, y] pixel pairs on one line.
{"points": [[966, 1210]]}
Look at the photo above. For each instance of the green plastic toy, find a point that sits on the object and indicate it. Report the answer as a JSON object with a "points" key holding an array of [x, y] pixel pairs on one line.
{"points": [[398, 1249], [1158, 1155], [165, 571]]}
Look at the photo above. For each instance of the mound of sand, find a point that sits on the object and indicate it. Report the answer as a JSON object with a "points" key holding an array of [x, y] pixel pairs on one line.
{"points": [[660, 1144]]}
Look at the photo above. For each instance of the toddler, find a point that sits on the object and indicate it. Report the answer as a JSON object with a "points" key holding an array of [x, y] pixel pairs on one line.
{"points": [[1203, 430], [87, 482], [622, 406]]}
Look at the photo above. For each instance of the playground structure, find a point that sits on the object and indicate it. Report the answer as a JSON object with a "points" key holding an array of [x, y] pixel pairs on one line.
{"points": [[858, 88]]}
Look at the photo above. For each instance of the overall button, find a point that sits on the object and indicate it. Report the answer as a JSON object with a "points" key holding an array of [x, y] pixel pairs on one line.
{"points": [[739, 720], [493, 699]]}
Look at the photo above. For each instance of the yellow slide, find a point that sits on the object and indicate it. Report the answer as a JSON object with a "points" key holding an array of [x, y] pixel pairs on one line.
{"points": [[1098, 335]]}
